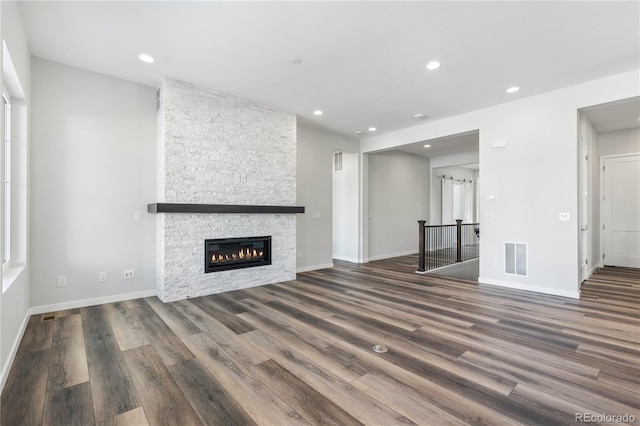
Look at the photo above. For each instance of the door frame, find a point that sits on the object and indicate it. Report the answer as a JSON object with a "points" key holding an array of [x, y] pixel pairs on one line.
{"points": [[600, 172], [584, 195]]}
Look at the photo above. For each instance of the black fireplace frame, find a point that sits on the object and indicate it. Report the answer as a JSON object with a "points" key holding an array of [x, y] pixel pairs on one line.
{"points": [[208, 265]]}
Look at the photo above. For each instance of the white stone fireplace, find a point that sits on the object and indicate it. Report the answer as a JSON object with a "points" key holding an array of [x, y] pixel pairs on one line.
{"points": [[220, 150]]}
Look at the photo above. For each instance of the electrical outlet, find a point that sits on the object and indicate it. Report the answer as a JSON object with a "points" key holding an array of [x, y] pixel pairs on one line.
{"points": [[62, 280], [137, 216], [129, 274], [102, 277], [564, 217]]}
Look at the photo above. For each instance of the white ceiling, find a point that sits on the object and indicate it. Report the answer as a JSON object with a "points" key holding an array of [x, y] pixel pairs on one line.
{"points": [[363, 63], [454, 144], [619, 115]]}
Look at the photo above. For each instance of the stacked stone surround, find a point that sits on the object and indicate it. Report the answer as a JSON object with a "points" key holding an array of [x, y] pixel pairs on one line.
{"points": [[220, 149]]}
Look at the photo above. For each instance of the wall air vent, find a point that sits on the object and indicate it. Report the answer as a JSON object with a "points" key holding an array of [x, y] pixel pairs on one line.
{"points": [[515, 259], [337, 161]]}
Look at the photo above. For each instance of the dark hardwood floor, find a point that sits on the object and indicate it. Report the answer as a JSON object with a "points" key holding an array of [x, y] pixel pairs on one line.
{"points": [[301, 353]]}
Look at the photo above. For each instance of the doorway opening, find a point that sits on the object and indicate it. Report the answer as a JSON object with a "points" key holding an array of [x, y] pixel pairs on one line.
{"points": [[609, 169]]}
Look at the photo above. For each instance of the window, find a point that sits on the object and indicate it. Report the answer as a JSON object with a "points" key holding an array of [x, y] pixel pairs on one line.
{"points": [[13, 172], [6, 179]]}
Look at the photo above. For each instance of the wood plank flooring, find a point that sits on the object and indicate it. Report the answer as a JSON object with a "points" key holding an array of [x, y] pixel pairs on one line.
{"points": [[300, 353]]}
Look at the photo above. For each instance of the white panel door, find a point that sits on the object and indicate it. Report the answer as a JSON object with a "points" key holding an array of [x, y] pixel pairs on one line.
{"points": [[621, 208]]}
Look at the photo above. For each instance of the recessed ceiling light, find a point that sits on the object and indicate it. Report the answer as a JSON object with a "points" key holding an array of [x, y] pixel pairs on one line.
{"points": [[513, 89], [295, 61], [317, 112], [433, 65], [419, 116], [427, 146], [146, 58], [372, 129], [359, 132]]}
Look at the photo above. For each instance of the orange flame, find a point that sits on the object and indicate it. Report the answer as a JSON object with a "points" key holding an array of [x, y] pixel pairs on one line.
{"points": [[245, 253]]}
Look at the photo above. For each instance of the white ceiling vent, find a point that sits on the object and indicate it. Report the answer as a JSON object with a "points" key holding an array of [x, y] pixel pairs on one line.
{"points": [[515, 259]]}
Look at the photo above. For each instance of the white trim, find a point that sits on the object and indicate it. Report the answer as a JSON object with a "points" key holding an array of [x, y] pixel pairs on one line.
{"points": [[6, 368], [11, 274], [35, 310], [346, 259], [527, 287], [591, 272], [314, 267], [450, 266], [6, 179], [389, 256]]}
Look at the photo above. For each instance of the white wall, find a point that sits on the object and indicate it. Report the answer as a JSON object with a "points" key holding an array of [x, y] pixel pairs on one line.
{"points": [[15, 301], [315, 147], [93, 166], [620, 142], [345, 209], [398, 198], [534, 177]]}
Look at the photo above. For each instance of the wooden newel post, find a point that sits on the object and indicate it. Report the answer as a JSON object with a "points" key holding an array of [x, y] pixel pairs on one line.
{"points": [[421, 253], [459, 240]]}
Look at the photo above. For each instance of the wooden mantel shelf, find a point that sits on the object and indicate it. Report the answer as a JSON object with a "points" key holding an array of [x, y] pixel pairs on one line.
{"points": [[219, 208]]}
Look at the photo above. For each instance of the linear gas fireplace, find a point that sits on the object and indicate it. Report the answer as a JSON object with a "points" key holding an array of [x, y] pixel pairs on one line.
{"points": [[235, 253]]}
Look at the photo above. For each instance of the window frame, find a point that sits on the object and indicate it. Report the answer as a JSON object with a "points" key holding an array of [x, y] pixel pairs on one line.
{"points": [[5, 212]]}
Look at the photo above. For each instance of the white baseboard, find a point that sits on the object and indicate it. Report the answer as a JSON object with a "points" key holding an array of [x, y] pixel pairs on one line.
{"points": [[346, 259], [389, 256], [314, 267], [451, 266], [592, 271], [14, 350], [526, 287], [35, 310]]}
